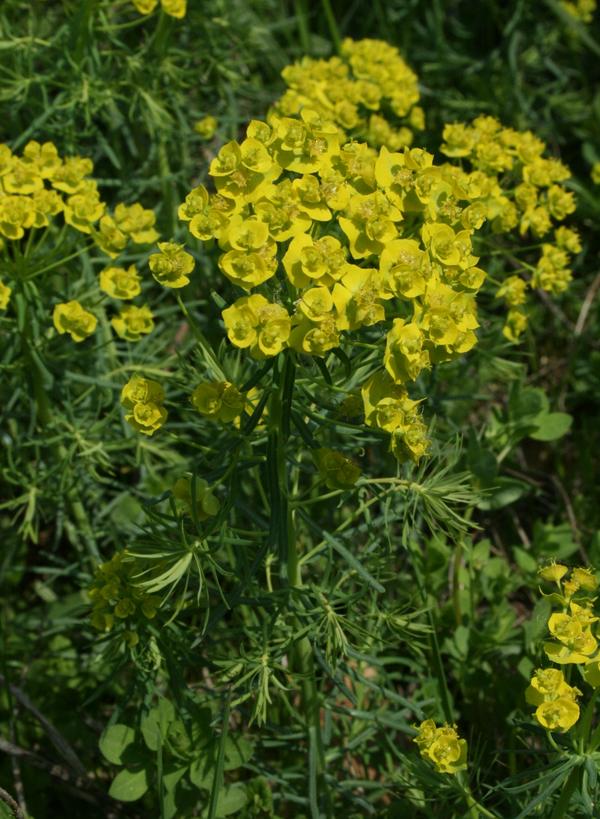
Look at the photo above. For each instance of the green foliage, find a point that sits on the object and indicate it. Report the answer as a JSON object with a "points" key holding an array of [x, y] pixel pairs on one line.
{"points": [[305, 612]]}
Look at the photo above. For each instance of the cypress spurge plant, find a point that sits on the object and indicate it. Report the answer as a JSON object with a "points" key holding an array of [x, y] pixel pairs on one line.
{"points": [[356, 276]]}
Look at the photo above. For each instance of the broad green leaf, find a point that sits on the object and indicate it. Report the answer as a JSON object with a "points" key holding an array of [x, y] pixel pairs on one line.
{"points": [[231, 799], [527, 402], [172, 776], [129, 785], [505, 492], [155, 724], [551, 425], [525, 560], [114, 742], [237, 752], [202, 772]]}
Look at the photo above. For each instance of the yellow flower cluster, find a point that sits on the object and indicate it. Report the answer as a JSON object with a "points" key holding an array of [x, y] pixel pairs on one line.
{"points": [[596, 173], [554, 698], [143, 399], [70, 317], [355, 89], [171, 266], [332, 231], [442, 746], [515, 187], [580, 9], [206, 127], [174, 8], [219, 400], [38, 186], [573, 643], [115, 597]]}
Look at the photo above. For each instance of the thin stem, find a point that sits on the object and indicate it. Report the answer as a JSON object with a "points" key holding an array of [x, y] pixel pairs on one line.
{"points": [[284, 532]]}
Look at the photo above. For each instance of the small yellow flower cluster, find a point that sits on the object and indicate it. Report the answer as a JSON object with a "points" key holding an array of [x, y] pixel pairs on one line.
{"points": [[171, 266], [206, 127], [70, 317], [204, 505], [354, 89], [580, 9], [515, 187], [38, 186], [333, 231], [573, 643], [442, 746], [133, 322], [596, 173], [143, 398], [115, 597], [554, 698], [174, 8], [337, 470], [219, 400]]}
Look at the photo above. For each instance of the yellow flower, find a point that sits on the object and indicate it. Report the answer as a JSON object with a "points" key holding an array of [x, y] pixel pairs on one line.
{"points": [[442, 746], [133, 322], [249, 269], [567, 239], [513, 291], [174, 8], [136, 222], [256, 323], [554, 572], [205, 504], [145, 6], [404, 356], [70, 317], [110, 239], [114, 593], [561, 713], [220, 400], [576, 642], [140, 390], [585, 578], [206, 127], [172, 265], [547, 684], [84, 208], [146, 417], [120, 283], [69, 176], [516, 322], [595, 173], [580, 9], [23, 178], [16, 215], [5, 292]]}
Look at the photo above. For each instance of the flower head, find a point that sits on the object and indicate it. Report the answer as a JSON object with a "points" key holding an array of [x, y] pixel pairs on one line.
{"points": [[70, 317]]}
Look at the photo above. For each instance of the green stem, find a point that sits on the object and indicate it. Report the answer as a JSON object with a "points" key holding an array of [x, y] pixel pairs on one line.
{"points": [[332, 24], [301, 659]]}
